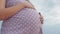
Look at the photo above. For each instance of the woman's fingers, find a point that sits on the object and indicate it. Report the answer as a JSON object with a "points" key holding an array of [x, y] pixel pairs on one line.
{"points": [[41, 18], [29, 5]]}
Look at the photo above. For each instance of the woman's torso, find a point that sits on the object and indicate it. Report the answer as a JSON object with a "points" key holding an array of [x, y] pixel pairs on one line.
{"points": [[25, 19]]}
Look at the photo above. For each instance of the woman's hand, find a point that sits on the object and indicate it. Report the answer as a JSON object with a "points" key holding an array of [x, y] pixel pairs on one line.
{"points": [[29, 5], [41, 18]]}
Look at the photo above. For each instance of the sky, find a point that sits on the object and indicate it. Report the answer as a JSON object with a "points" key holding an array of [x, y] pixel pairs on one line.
{"points": [[50, 9]]}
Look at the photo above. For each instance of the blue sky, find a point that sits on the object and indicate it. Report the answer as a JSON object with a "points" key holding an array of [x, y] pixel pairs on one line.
{"points": [[50, 9]]}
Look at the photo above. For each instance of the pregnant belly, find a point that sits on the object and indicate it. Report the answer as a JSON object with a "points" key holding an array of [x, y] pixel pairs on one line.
{"points": [[21, 20], [24, 13]]}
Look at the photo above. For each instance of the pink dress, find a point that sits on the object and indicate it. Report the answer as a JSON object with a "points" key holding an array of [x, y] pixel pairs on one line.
{"points": [[25, 21]]}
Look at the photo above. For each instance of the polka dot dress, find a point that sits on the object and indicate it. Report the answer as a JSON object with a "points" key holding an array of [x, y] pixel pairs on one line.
{"points": [[25, 21]]}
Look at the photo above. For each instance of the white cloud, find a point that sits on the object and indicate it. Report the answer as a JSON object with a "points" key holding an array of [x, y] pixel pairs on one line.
{"points": [[53, 16]]}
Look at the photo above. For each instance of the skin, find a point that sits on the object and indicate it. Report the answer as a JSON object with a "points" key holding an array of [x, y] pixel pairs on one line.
{"points": [[2, 4], [5, 13], [41, 18], [30, 3]]}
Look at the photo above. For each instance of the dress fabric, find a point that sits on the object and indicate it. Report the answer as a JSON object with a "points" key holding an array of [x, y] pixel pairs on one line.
{"points": [[25, 21]]}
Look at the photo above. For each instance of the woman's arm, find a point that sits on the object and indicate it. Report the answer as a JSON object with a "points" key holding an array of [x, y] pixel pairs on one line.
{"points": [[8, 12]]}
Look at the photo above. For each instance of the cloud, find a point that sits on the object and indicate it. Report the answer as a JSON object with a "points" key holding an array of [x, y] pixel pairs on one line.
{"points": [[53, 18]]}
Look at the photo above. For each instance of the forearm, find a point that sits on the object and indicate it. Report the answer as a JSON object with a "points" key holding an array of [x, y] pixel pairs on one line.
{"points": [[8, 12]]}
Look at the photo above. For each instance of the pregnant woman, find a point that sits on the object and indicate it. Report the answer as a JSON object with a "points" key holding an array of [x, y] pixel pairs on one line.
{"points": [[25, 21]]}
